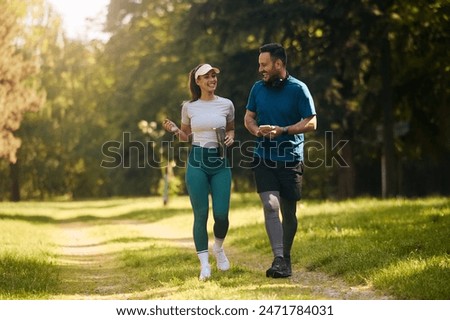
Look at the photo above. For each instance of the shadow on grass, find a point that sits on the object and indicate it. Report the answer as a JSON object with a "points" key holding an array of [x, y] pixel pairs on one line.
{"points": [[143, 216], [152, 214], [130, 240]]}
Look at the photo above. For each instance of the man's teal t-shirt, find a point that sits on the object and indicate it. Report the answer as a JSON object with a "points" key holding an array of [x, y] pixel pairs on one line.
{"points": [[281, 106]]}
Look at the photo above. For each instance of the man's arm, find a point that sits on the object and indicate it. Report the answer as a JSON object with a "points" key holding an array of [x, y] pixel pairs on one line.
{"points": [[305, 125], [250, 123]]}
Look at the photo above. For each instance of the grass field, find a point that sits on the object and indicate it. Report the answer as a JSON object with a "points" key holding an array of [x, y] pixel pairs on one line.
{"points": [[138, 249]]}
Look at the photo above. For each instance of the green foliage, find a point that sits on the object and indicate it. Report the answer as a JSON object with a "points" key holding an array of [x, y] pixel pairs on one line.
{"points": [[18, 92], [98, 91]]}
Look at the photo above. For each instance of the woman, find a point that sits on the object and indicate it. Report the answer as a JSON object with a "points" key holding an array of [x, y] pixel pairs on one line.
{"points": [[207, 171]]}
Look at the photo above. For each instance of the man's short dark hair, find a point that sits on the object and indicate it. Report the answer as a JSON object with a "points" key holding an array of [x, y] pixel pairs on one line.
{"points": [[276, 51]]}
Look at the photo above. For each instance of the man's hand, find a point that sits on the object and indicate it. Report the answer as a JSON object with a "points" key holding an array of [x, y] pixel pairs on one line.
{"points": [[267, 130]]}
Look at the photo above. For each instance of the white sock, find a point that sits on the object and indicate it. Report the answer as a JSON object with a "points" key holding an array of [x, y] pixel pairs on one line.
{"points": [[203, 256], [218, 243], [205, 268], [222, 260]]}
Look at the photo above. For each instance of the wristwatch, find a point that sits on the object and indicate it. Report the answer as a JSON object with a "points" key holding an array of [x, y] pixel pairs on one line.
{"points": [[285, 130]]}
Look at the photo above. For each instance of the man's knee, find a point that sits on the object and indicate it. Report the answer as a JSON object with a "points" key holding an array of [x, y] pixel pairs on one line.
{"points": [[270, 202]]}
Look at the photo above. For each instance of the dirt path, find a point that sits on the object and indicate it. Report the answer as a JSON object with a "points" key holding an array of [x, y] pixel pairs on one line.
{"points": [[317, 283], [90, 270]]}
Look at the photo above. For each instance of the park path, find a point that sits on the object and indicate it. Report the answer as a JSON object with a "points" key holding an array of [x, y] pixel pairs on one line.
{"points": [[316, 283], [90, 270]]}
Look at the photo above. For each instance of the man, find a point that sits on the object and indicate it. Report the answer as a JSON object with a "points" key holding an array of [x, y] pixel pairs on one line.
{"points": [[279, 111]]}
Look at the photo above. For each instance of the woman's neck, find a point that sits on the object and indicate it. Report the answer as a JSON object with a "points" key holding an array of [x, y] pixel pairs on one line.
{"points": [[208, 96]]}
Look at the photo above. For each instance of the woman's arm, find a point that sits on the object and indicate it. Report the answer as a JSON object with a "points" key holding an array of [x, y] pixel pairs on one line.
{"points": [[183, 134], [229, 136]]}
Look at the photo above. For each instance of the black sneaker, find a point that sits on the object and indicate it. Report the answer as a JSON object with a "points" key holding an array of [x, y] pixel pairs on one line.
{"points": [[278, 269]]}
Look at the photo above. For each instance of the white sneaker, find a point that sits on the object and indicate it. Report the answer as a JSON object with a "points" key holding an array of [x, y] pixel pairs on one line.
{"points": [[205, 273], [222, 261]]}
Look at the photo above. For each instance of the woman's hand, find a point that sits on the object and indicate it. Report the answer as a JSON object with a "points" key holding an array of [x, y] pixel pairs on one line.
{"points": [[228, 140], [170, 126]]}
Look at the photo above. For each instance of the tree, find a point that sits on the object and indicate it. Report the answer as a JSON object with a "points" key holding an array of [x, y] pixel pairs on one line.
{"points": [[359, 58], [99, 92], [17, 94], [150, 82]]}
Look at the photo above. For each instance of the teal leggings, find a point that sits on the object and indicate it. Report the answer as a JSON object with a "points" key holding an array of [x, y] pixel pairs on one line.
{"points": [[208, 174]]}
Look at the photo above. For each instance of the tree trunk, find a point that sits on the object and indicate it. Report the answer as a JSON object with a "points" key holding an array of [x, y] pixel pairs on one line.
{"points": [[388, 167], [15, 186], [346, 175]]}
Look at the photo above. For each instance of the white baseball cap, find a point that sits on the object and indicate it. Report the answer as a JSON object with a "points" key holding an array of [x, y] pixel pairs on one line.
{"points": [[204, 69]]}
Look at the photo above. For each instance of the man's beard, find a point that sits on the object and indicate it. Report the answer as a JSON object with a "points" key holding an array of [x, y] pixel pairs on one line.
{"points": [[274, 80]]}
